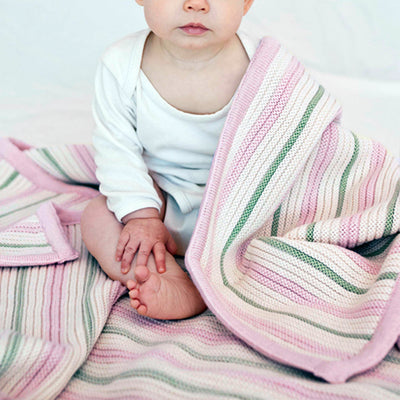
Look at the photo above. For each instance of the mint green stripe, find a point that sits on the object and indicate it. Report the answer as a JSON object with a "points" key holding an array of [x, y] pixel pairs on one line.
{"points": [[53, 161], [264, 363], [17, 312], [10, 353], [9, 179], [313, 262], [19, 302], [30, 205], [270, 173], [310, 232], [18, 246], [275, 223], [391, 209], [387, 275], [170, 380], [193, 353], [88, 314], [390, 358], [346, 174]]}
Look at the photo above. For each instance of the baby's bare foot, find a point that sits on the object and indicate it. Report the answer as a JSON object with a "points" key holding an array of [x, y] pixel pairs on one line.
{"points": [[171, 295]]}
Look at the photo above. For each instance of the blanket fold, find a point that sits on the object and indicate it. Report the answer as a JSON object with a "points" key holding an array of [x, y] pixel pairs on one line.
{"points": [[39, 239], [291, 199]]}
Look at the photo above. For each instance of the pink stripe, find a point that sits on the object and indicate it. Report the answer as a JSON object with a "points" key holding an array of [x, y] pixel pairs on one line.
{"points": [[349, 233], [46, 305], [326, 152], [58, 297], [395, 246], [368, 187], [116, 291], [31, 229], [363, 263], [85, 159]]}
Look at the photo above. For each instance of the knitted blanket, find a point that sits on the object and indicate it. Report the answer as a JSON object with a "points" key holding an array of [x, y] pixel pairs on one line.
{"points": [[290, 193], [296, 248]]}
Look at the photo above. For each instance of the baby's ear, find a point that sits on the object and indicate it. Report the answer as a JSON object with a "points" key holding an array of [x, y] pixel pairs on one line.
{"points": [[247, 5]]}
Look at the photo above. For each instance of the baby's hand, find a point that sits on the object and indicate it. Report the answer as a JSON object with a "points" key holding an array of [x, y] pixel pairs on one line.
{"points": [[143, 236]]}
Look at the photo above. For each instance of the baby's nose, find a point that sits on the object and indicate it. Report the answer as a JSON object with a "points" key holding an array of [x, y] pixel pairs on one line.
{"points": [[196, 5]]}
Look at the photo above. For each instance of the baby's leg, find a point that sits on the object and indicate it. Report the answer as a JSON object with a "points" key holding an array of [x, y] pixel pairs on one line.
{"points": [[100, 233], [170, 295]]}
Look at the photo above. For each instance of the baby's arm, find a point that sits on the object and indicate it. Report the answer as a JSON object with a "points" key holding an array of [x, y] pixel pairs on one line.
{"points": [[144, 233], [124, 177], [121, 170]]}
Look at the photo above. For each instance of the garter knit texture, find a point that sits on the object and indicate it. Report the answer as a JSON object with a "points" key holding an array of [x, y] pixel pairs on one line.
{"points": [[295, 251]]}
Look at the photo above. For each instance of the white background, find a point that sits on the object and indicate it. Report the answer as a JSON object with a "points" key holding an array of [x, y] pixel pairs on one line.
{"points": [[49, 50]]}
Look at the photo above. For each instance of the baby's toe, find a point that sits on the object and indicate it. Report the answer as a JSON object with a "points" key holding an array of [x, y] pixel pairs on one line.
{"points": [[134, 294], [135, 303], [142, 309], [131, 284]]}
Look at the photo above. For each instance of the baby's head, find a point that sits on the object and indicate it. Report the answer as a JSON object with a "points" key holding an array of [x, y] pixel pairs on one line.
{"points": [[194, 23]]}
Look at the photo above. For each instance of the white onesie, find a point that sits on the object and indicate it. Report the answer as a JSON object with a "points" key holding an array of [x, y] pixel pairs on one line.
{"points": [[138, 135]]}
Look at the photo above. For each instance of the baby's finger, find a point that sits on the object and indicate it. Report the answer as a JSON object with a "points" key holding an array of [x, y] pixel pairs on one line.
{"points": [[159, 256], [122, 241], [143, 254], [129, 254]]}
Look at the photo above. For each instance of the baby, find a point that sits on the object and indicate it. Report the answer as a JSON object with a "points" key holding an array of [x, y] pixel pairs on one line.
{"points": [[161, 99]]}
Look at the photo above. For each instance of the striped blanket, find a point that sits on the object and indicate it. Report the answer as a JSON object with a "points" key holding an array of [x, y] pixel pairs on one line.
{"points": [[290, 193], [296, 248]]}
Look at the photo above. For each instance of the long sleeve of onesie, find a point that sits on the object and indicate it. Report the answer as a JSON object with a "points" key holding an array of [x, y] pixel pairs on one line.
{"points": [[121, 170]]}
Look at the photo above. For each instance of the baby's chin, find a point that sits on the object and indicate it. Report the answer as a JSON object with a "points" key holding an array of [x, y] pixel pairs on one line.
{"points": [[206, 42]]}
